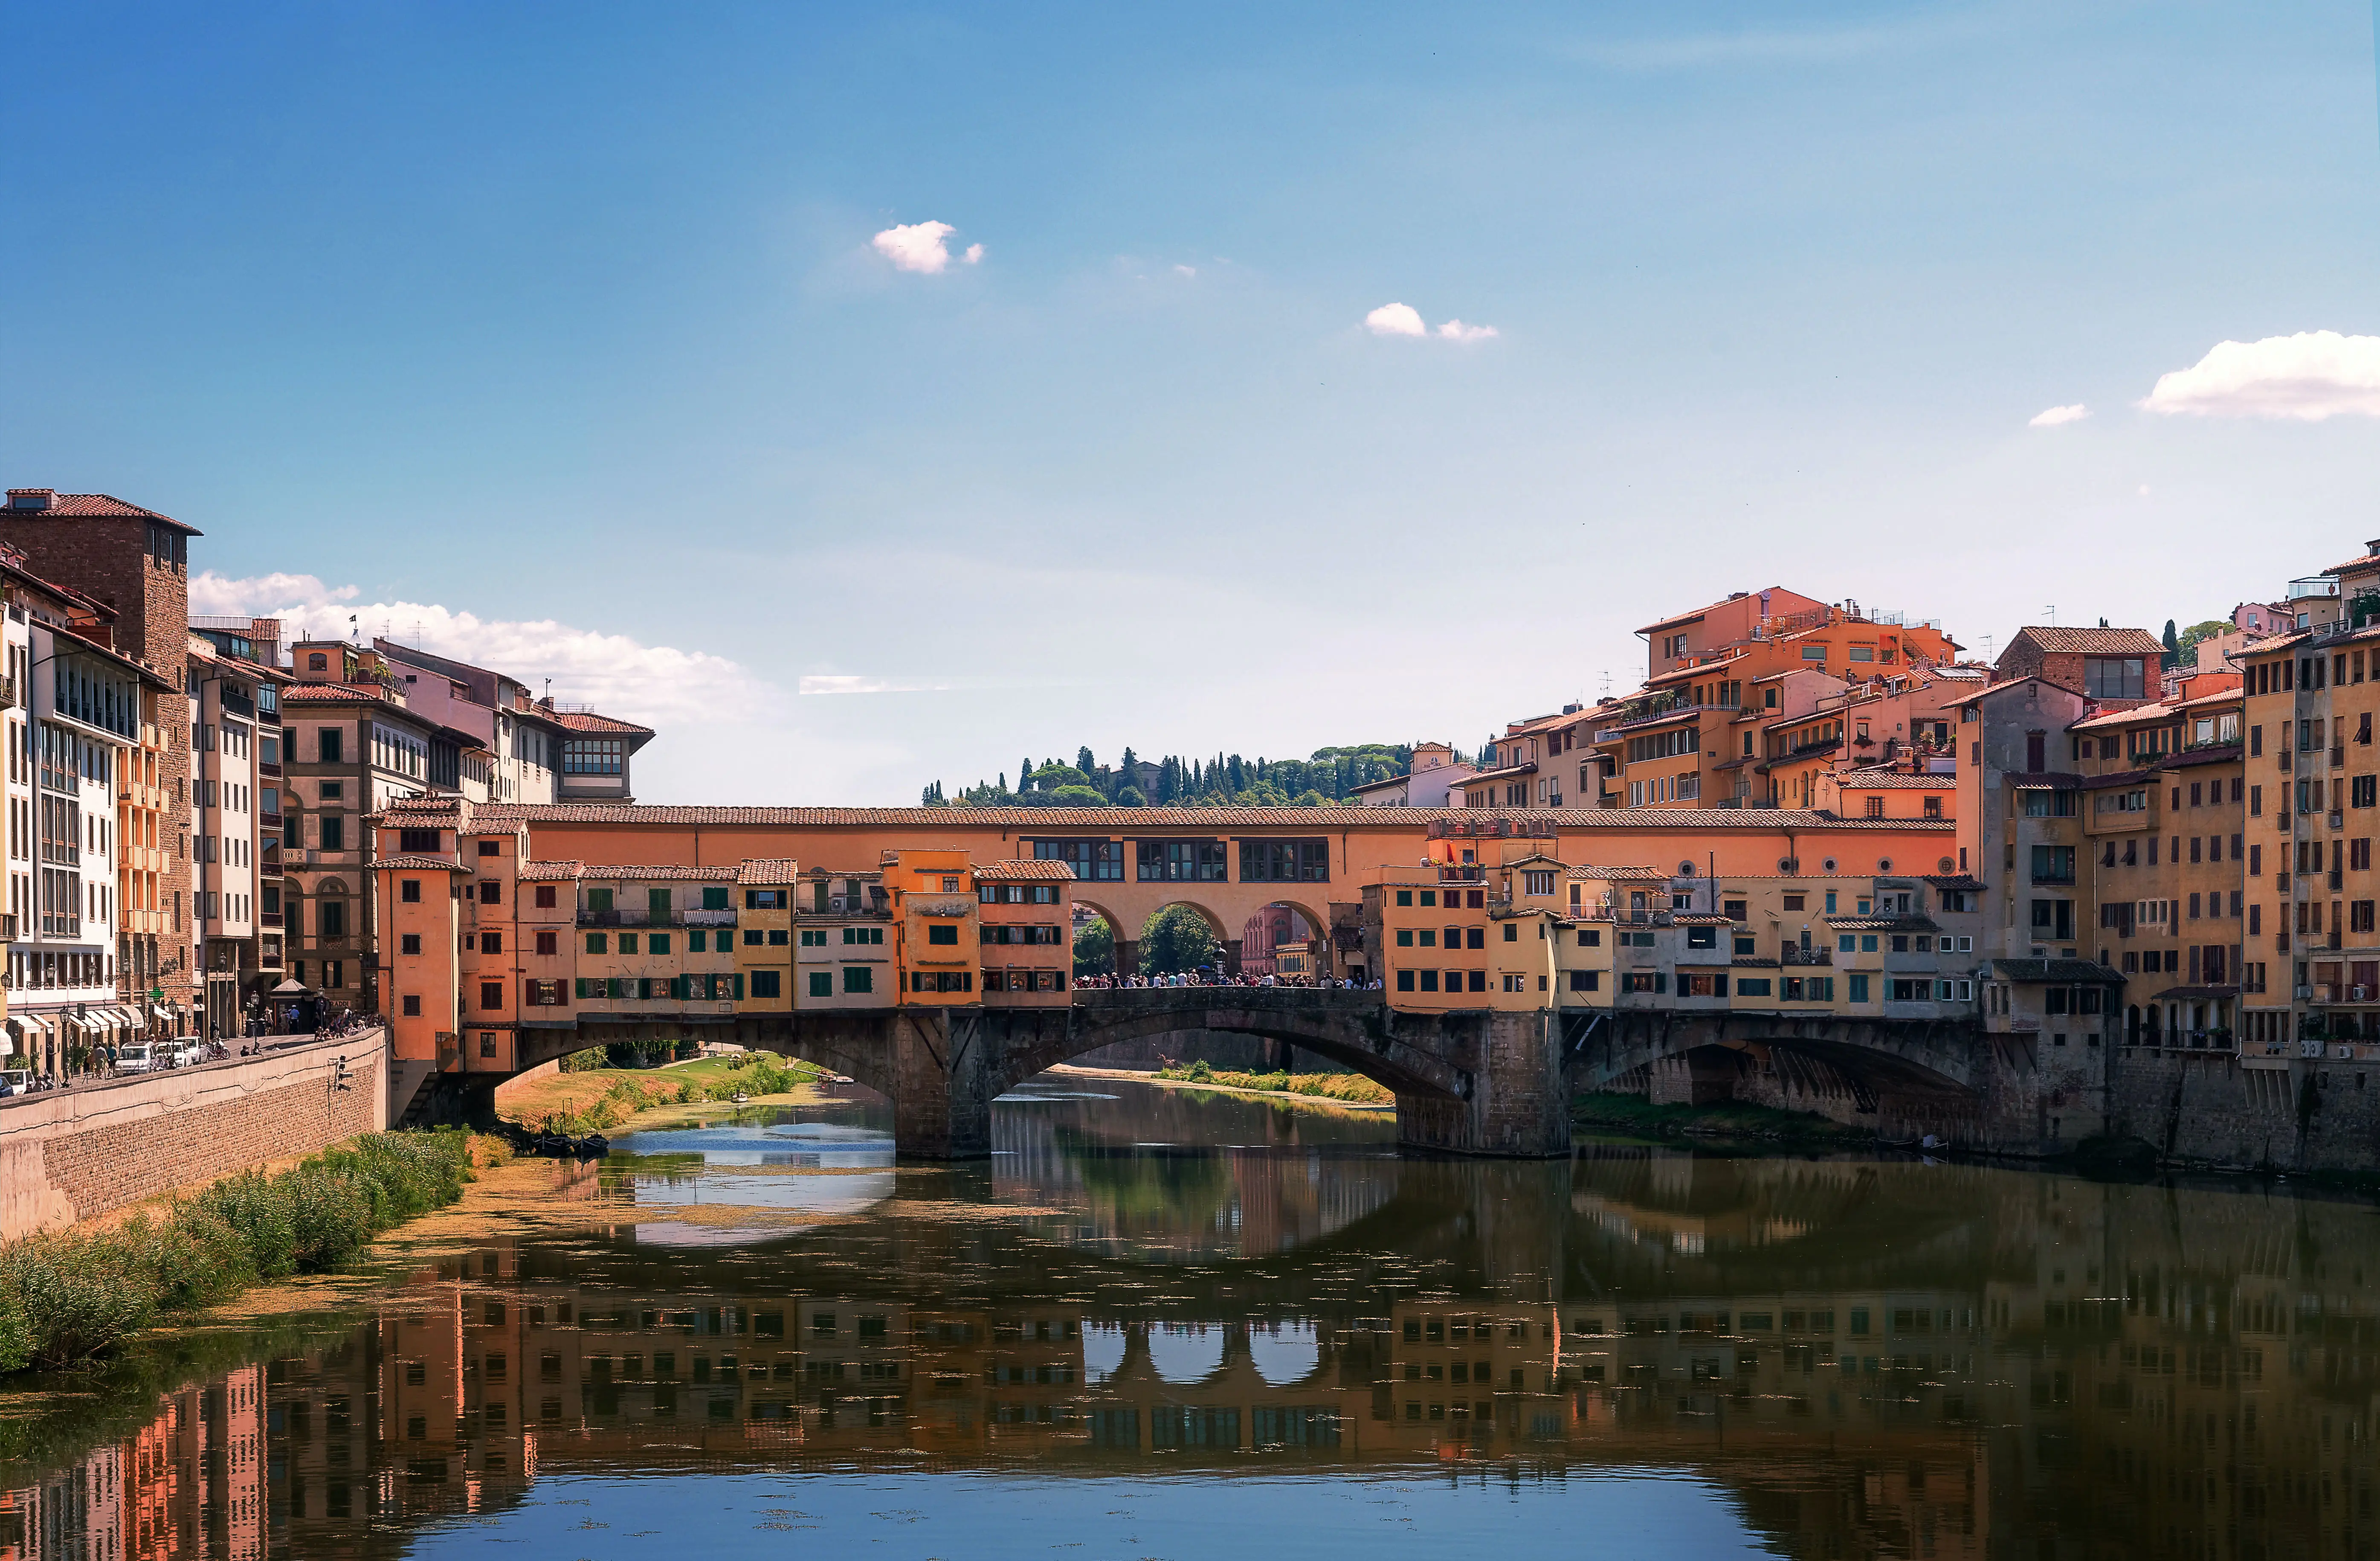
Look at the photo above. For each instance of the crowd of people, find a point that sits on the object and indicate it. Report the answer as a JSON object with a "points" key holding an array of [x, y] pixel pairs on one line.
{"points": [[1220, 978]]}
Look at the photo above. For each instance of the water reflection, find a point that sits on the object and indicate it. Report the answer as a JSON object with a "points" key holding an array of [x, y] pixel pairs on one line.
{"points": [[1846, 1359]]}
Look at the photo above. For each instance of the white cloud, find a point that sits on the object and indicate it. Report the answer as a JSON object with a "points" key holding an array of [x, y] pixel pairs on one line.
{"points": [[922, 246], [623, 677], [2309, 376], [822, 683], [2055, 416], [1187, 270], [1403, 319]]}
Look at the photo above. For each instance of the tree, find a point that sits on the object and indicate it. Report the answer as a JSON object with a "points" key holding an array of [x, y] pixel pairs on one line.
{"points": [[2197, 633], [2173, 645], [1130, 797], [1176, 938], [1077, 796], [1084, 761], [1095, 949], [1049, 777]]}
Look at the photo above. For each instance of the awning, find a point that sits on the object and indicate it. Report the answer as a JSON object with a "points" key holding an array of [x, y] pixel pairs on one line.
{"points": [[35, 1025], [160, 1014]]}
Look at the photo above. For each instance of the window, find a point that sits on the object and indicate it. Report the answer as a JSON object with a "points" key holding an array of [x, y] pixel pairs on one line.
{"points": [[821, 984], [318, 661], [491, 893], [1751, 986], [331, 745], [487, 848], [942, 932], [426, 842], [764, 900], [1535, 882], [1183, 861], [545, 900], [409, 890], [334, 833], [492, 943], [594, 756], [2113, 677], [765, 983], [2053, 864], [1093, 861], [410, 943], [858, 978], [549, 943], [331, 918], [2363, 790], [1284, 861], [1857, 987], [655, 943], [413, 1007], [492, 995], [599, 942]]}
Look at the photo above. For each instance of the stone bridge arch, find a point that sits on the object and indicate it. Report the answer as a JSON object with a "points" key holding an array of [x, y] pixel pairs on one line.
{"points": [[1437, 1056]]}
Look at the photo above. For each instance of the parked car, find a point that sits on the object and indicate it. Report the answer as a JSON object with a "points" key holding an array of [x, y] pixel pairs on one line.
{"points": [[135, 1057], [15, 1080], [188, 1051]]}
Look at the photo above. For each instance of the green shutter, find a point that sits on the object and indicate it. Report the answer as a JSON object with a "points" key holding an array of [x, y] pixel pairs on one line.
{"points": [[657, 903], [715, 900], [599, 899]]}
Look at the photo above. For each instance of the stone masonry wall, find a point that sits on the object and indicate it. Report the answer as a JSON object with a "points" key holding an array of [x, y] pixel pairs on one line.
{"points": [[2302, 1115], [70, 1155]]}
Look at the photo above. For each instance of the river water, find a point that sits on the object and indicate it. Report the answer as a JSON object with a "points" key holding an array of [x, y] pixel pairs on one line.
{"points": [[1160, 1323]]}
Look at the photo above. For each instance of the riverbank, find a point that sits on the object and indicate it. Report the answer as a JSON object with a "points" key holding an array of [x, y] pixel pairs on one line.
{"points": [[1726, 1124], [69, 1296], [598, 1099], [1225, 1083]]}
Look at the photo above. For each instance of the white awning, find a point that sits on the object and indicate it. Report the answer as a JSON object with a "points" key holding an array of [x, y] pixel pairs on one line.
{"points": [[160, 1014], [33, 1023]]}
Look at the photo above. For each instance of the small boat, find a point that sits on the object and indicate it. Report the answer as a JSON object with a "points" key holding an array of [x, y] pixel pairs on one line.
{"points": [[741, 1098], [555, 1145], [594, 1146]]}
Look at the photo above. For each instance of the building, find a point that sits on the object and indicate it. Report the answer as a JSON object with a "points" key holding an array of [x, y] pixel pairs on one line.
{"points": [[1028, 949], [350, 747], [75, 723], [235, 707], [2114, 667], [134, 562], [499, 745], [1429, 778], [596, 754]]}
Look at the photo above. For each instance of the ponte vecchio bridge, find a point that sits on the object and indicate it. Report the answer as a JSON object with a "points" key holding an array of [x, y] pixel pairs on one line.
{"points": [[1477, 1081]]}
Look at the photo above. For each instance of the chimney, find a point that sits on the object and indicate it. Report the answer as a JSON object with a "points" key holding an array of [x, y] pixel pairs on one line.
{"points": [[32, 498]]}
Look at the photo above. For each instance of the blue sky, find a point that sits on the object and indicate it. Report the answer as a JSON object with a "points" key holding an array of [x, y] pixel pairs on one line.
{"points": [[559, 333]]}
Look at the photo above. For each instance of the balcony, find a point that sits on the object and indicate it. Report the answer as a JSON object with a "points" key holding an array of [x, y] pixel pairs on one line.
{"points": [[1461, 872], [270, 821], [238, 703], [1794, 956], [710, 919], [269, 769], [268, 919], [638, 918]]}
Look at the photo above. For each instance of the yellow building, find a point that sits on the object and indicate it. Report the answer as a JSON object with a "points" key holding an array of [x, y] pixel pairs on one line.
{"points": [[763, 931]]}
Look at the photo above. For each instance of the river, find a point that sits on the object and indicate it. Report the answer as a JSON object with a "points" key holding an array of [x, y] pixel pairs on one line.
{"points": [[1177, 1324]]}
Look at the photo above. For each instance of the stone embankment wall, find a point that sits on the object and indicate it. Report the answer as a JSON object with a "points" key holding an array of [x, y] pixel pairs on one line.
{"points": [[70, 1154], [1218, 1049], [2293, 1113]]}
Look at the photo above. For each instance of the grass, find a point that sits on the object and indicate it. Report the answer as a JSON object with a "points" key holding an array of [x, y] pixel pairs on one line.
{"points": [[597, 1098], [1635, 1115], [68, 1297], [1352, 1087]]}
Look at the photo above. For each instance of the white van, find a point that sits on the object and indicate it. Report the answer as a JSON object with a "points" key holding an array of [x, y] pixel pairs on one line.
{"points": [[134, 1057], [188, 1051]]}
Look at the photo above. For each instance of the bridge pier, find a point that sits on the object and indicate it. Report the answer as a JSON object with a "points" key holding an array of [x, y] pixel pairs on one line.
{"points": [[1511, 1102]]}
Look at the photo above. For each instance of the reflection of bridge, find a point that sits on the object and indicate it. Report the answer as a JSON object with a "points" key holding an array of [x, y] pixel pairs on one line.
{"points": [[1470, 1082], [2128, 1372]]}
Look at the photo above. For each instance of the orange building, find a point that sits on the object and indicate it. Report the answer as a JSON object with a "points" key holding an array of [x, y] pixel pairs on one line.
{"points": [[1029, 947], [936, 919]]}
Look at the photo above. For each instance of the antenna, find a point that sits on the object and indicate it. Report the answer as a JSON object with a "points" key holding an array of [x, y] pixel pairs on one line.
{"points": [[2052, 611]]}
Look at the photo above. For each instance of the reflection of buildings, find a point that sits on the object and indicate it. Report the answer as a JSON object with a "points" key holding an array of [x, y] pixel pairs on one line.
{"points": [[1873, 1360]]}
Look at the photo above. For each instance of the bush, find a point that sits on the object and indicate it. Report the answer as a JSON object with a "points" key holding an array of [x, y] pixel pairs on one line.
{"points": [[586, 1061], [65, 1298]]}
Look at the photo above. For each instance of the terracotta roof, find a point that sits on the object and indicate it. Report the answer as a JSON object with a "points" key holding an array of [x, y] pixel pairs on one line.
{"points": [[2355, 566], [1700, 919], [2212, 753], [765, 871], [93, 506], [1961, 882], [2116, 779], [1990, 689], [422, 864], [2152, 712], [335, 694], [1895, 780], [588, 721], [1021, 868], [657, 872], [548, 872], [1614, 872], [1528, 767], [1125, 820], [2057, 641]]}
